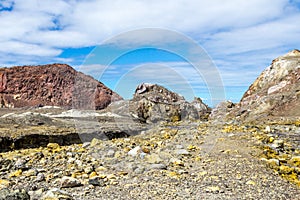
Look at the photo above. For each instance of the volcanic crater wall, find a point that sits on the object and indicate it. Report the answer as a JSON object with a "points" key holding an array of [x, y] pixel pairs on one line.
{"points": [[55, 85]]}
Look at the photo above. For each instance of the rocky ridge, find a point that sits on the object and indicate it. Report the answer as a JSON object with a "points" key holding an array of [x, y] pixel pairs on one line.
{"points": [[53, 85], [275, 93]]}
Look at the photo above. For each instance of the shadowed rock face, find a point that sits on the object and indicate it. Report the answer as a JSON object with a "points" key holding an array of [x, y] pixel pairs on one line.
{"points": [[55, 85], [276, 92]]}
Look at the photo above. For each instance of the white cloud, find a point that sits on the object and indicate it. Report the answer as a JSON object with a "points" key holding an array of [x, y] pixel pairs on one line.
{"points": [[21, 48], [264, 36], [241, 36], [84, 23]]}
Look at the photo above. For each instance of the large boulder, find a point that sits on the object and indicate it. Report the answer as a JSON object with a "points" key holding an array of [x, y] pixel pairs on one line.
{"points": [[276, 92], [55, 85]]}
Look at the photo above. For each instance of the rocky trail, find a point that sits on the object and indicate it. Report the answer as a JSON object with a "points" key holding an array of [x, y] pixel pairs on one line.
{"points": [[183, 160]]}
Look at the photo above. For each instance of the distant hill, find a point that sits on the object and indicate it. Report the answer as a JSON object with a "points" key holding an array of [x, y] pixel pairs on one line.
{"points": [[53, 84]]}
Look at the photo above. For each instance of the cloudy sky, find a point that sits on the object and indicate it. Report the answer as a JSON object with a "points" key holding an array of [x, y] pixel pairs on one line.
{"points": [[240, 37]]}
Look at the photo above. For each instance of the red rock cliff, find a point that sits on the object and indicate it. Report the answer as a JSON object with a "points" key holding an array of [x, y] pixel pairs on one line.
{"points": [[55, 84]]}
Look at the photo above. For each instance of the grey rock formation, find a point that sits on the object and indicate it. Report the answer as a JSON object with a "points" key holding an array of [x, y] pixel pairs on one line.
{"points": [[220, 113], [155, 103]]}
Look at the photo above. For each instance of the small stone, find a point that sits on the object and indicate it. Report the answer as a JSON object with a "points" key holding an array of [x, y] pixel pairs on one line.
{"points": [[31, 172], [40, 177], [97, 181], [123, 173], [139, 170], [111, 176], [70, 154], [268, 129], [88, 169], [67, 182], [277, 144], [153, 158], [142, 155], [71, 160], [78, 162], [53, 146], [273, 161], [55, 194], [203, 173], [250, 183], [238, 176], [20, 164], [182, 152], [86, 144], [37, 194], [176, 161], [191, 147], [146, 150], [179, 146], [134, 151], [173, 174], [100, 169], [157, 166], [95, 142], [212, 189], [93, 174], [181, 171], [110, 153]]}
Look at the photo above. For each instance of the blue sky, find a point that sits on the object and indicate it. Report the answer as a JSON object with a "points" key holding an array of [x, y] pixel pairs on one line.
{"points": [[240, 37]]}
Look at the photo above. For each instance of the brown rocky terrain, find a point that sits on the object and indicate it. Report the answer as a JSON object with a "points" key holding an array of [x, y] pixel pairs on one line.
{"points": [[55, 85]]}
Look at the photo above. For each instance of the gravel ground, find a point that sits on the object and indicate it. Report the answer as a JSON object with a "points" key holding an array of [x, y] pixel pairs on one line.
{"points": [[171, 161]]}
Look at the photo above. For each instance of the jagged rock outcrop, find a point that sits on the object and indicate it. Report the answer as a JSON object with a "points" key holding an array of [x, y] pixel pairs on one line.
{"points": [[153, 103], [220, 113], [55, 84], [276, 92]]}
